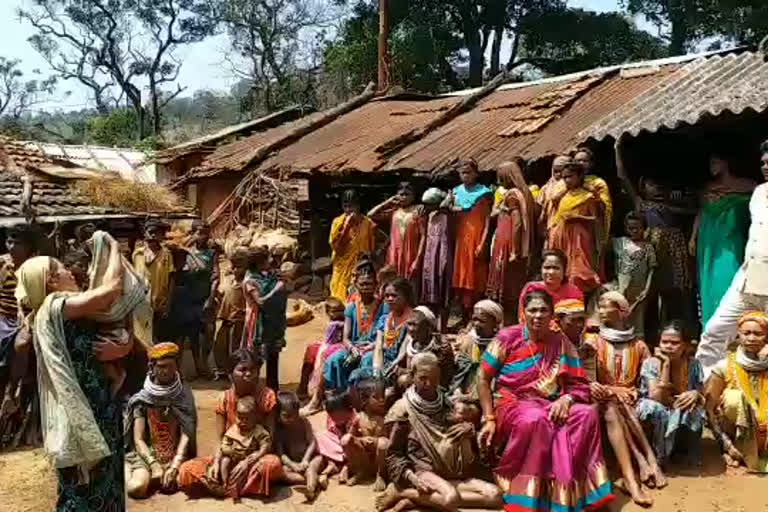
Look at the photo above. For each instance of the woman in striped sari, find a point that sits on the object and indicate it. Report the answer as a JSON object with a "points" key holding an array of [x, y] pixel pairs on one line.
{"points": [[547, 434]]}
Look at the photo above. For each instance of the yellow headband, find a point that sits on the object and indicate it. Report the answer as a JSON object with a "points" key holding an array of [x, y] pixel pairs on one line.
{"points": [[569, 306], [755, 316], [163, 350]]}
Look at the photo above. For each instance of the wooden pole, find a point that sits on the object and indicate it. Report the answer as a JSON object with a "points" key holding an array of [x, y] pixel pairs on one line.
{"points": [[383, 46]]}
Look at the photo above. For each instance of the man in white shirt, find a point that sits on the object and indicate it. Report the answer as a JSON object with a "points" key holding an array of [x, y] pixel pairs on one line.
{"points": [[749, 288]]}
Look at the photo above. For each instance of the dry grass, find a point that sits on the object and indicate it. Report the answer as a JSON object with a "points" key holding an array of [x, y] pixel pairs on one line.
{"points": [[128, 195]]}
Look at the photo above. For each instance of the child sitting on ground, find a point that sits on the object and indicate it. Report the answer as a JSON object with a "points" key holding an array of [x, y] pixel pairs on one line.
{"points": [[334, 336], [297, 449], [245, 438], [340, 417], [366, 443]]}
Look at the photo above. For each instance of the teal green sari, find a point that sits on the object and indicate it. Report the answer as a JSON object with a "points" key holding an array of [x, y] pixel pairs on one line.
{"points": [[723, 228]]}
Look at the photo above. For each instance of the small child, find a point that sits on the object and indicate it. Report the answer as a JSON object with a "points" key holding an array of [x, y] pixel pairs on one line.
{"points": [[266, 303], [334, 336], [244, 438], [366, 443], [231, 315], [461, 436], [340, 417], [297, 448], [635, 265]]}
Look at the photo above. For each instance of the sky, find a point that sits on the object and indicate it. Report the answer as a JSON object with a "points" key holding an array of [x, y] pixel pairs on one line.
{"points": [[203, 63]]}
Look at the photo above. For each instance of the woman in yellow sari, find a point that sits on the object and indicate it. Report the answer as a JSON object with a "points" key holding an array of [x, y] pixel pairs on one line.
{"points": [[576, 222], [352, 233], [737, 397]]}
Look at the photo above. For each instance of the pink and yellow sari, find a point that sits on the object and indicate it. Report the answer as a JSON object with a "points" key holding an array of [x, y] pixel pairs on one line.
{"points": [[544, 466]]}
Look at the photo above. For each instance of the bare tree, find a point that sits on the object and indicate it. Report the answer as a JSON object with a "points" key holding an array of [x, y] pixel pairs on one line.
{"points": [[119, 45], [17, 95], [266, 39]]}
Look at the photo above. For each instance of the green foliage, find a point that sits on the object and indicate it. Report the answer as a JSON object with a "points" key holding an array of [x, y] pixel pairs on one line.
{"points": [[691, 21], [560, 42], [120, 128]]}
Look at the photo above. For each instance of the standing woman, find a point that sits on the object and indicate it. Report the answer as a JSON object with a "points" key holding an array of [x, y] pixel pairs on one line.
{"points": [[540, 419], [472, 202], [554, 266], [510, 249], [437, 268], [352, 233], [720, 233], [82, 421], [407, 233], [576, 226]]}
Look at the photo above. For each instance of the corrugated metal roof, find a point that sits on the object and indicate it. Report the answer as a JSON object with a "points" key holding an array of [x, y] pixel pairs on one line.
{"points": [[128, 163], [532, 120], [347, 143], [273, 119], [707, 86]]}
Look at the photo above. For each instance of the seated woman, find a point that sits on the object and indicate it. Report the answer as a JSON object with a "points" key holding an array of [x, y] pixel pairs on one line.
{"points": [[554, 275], [431, 463], [194, 474], [737, 397], [541, 423], [164, 425], [390, 330], [422, 337], [671, 404], [487, 317], [619, 354], [361, 316]]}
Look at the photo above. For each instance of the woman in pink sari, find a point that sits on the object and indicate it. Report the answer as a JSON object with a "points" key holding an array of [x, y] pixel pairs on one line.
{"points": [[541, 424], [406, 234]]}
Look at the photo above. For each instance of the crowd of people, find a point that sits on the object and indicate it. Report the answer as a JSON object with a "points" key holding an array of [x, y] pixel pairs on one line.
{"points": [[512, 411]]}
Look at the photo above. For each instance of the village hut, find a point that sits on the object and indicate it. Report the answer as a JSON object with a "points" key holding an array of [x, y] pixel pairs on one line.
{"points": [[58, 195], [374, 142]]}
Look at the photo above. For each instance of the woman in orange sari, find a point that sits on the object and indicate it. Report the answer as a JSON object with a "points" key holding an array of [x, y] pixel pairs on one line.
{"points": [[576, 226], [472, 202], [407, 233], [352, 234], [198, 477], [511, 245]]}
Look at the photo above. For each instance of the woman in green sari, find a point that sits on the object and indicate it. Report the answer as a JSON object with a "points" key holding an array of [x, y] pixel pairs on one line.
{"points": [[720, 233]]}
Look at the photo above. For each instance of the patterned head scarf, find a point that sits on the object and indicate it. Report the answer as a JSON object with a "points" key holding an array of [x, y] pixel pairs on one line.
{"points": [[428, 315], [163, 350], [569, 306], [433, 196], [755, 316], [33, 274], [620, 301], [491, 308]]}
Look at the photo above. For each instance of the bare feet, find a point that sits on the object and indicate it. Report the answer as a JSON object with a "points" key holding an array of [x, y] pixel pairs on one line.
{"points": [[638, 495], [387, 499], [659, 478], [401, 505], [645, 473], [308, 493], [352, 480], [379, 485], [730, 461], [344, 475], [322, 482]]}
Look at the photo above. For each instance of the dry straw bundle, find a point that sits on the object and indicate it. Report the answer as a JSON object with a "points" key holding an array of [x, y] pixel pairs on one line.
{"points": [[128, 195]]}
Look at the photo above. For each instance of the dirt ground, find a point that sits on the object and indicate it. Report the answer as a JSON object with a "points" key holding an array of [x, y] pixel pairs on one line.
{"points": [[28, 485]]}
